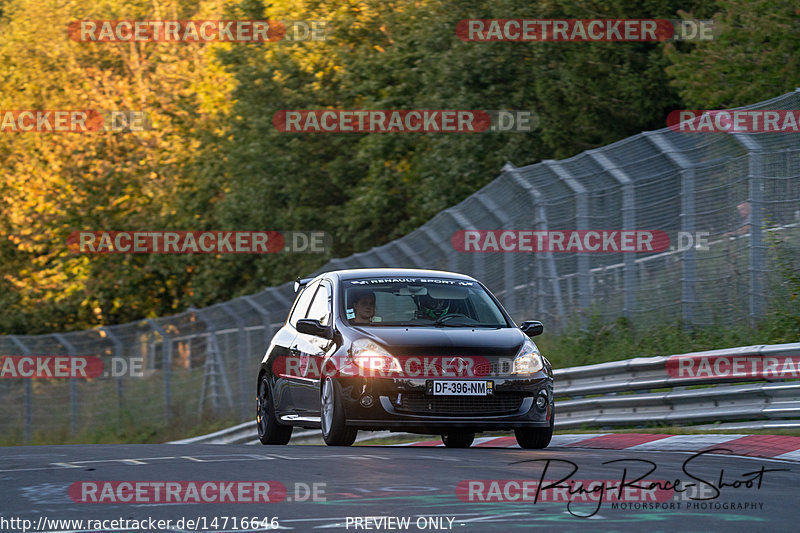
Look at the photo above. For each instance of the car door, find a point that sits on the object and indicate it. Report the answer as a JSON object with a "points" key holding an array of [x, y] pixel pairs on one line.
{"points": [[285, 355], [312, 351]]}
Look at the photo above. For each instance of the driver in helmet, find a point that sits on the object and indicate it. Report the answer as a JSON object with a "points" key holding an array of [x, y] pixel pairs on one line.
{"points": [[433, 308]]}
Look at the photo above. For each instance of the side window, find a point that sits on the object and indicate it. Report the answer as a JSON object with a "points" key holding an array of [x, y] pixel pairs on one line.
{"points": [[301, 306], [320, 307]]}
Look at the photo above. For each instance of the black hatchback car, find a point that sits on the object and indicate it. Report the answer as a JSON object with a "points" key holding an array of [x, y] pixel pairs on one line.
{"points": [[419, 351]]}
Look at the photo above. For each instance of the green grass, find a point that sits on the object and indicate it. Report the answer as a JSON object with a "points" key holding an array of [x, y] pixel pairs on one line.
{"points": [[127, 434], [601, 342], [108, 415]]}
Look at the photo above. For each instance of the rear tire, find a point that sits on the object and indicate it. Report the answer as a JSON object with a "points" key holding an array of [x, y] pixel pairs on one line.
{"points": [[332, 420], [458, 439], [270, 431], [536, 438]]}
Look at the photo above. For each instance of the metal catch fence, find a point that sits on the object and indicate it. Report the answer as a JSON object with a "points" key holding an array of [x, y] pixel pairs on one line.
{"points": [[200, 363]]}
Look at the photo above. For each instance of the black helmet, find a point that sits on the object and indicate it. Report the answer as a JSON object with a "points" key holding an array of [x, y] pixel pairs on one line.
{"points": [[433, 308]]}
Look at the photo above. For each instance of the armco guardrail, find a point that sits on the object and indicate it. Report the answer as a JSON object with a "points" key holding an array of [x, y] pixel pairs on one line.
{"points": [[630, 393]]}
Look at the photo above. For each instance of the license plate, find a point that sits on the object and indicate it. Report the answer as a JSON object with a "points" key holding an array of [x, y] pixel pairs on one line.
{"points": [[460, 388]]}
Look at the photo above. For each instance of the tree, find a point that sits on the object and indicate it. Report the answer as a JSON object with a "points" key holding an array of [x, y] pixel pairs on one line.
{"points": [[754, 56]]}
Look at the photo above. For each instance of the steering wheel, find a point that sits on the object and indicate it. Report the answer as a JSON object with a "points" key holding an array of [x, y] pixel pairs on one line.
{"points": [[443, 319]]}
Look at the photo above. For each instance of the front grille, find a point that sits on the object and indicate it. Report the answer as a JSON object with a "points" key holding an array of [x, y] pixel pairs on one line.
{"points": [[500, 368], [422, 404]]}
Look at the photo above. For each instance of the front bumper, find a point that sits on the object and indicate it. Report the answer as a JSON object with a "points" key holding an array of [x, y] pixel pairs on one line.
{"points": [[404, 404]]}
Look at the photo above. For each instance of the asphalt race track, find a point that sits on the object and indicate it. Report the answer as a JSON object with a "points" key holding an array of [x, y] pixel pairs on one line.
{"points": [[416, 484]]}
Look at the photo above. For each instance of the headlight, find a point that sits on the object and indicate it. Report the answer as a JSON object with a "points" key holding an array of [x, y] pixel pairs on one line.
{"points": [[528, 360], [368, 355]]}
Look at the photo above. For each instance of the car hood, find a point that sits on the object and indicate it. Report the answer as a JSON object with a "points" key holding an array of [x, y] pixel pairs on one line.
{"points": [[432, 341]]}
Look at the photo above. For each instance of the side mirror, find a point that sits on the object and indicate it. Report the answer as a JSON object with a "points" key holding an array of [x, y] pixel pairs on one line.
{"points": [[531, 328], [309, 326]]}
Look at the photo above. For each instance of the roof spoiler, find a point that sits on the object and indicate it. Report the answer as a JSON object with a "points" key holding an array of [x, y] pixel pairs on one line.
{"points": [[300, 283]]}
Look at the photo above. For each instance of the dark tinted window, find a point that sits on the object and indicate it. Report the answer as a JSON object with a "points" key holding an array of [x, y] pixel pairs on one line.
{"points": [[320, 307], [420, 302], [302, 302]]}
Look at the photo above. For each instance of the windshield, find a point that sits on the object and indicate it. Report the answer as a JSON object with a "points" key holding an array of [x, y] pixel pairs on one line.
{"points": [[439, 302]]}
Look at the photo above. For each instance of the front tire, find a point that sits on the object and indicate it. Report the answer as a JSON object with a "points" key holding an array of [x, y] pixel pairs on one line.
{"points": [[536, 438], [270, 431], [458, 439], [332, 419]]}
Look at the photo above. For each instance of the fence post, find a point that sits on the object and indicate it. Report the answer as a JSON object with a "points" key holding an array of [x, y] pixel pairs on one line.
{"points": [[687, 216], [755, 179], [581, 224], [243, 355], [73, 386], [213, 367], [462, 223], [756, 266], [119, 353], [265, 316], [629, 223], [28, 390], [166, 366], [480, 264], [444, 245], [688, 293], [548, 270]]}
